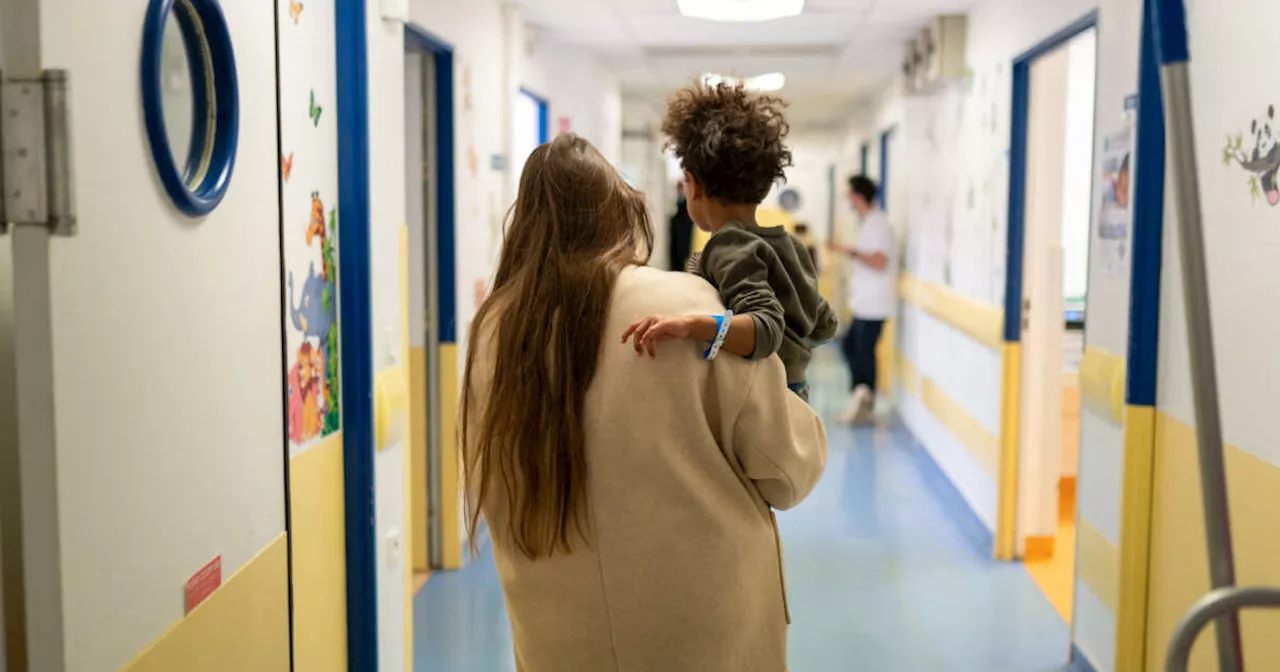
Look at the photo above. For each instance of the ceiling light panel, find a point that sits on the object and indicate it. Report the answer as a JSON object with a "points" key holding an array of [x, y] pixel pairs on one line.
{"points": [[740, 11]]}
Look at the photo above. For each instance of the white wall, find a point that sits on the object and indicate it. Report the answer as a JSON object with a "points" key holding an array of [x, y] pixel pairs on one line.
{"points": [[813, 156], [166, 337], [578, 88]]}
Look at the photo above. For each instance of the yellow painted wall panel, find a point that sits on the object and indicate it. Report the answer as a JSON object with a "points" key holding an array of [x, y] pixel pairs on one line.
{"points": [[980, 321], [1179, 566], [1102, 377], [450, 466], [1098, 563], [418, 439], [1135, 537], [244, 625], [1006, 545], [981, 443], [318, 511]]}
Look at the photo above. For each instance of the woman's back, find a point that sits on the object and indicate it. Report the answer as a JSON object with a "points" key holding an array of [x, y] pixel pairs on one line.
{"points": [[681, 565]]}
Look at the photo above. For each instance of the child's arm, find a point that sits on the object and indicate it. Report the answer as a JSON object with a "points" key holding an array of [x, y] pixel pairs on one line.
{"points": [[827, 324], [735, 261]]}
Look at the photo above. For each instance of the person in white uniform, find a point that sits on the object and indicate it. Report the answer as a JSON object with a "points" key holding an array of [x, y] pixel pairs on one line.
{"points": [[872, 294]]}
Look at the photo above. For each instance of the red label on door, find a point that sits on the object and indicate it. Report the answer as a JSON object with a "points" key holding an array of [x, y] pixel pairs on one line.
{"points": [[202, 584], [566, 125]]}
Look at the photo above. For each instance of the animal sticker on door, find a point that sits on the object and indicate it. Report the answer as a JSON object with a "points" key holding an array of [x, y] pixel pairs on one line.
{"points": [[313, 314]]}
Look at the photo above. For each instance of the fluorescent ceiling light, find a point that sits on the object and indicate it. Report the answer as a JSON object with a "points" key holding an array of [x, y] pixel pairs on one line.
{"points": [[773, 81], [770, 82], [740, 10]]}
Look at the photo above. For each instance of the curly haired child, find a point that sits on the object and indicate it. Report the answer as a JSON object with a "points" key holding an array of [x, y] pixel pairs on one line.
{"points": [[731, 145]]}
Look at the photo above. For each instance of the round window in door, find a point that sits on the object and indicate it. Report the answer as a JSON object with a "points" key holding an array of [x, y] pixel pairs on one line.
{"points": [[190, 100]]}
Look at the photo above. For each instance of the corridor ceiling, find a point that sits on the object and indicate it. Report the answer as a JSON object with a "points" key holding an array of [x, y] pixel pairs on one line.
{"points": [[836, 55]]}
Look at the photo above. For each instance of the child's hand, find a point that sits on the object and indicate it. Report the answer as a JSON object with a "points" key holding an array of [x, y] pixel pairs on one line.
{"points": [[650, 330]]}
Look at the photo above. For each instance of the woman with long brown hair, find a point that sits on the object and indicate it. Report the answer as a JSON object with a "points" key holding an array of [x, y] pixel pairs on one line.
{"points": [[629, 502]]}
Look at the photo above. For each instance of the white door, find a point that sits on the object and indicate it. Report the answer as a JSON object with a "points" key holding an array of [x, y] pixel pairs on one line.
{"points": [[1042, 299], [151, 405]]}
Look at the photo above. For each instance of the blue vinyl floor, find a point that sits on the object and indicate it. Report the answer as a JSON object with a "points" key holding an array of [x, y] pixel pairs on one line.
{"points": [[880, 578]]}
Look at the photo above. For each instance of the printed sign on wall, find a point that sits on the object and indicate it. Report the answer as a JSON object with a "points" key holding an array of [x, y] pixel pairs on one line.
{"points": [[1116, 217], [309, 174]]}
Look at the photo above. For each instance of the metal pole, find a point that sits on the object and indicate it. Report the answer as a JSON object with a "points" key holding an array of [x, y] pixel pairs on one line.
{"points": [[1169, 20]]}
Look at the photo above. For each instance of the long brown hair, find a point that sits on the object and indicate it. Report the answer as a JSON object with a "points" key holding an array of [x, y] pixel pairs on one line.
{"points": [[574, 227]]}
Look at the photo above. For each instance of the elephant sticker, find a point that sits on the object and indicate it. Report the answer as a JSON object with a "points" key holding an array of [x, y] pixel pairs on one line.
{"points": [[315, 314]]}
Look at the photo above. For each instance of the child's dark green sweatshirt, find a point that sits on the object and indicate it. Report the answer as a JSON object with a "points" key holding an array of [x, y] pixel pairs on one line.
{"points": [[768, 274]]}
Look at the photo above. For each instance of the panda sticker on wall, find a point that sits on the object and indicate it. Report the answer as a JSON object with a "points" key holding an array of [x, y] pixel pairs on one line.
{"points": [[1261, 159]]}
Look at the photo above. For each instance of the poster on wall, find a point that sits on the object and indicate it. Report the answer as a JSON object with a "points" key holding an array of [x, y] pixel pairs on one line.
{"points": [[309, 180], [1116, 216]]}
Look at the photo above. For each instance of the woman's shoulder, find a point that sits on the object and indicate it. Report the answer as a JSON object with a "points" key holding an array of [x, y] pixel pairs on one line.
{"points": [[648, 290]]}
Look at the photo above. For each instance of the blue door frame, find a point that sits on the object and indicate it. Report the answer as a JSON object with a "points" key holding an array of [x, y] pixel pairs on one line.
{"points": [[417, 39], [1006, 543], [356, 332], [544, 115], [884, 167], [1018, 170], [1142, 358]]}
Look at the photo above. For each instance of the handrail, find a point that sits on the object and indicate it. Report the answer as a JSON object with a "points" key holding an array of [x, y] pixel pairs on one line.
{"points": [[1212, 606]]}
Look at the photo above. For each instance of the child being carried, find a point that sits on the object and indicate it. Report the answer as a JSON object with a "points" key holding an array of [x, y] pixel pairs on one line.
{"points": [[730, 143]]}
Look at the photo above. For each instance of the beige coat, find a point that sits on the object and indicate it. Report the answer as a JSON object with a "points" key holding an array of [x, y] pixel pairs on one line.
{"points": [[685, 457]]}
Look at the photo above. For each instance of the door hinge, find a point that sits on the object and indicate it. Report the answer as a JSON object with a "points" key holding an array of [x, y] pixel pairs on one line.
{"points": [[35, 154]]}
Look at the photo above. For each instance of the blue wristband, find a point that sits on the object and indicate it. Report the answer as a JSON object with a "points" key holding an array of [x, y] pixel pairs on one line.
{"points": [[722, 330]]}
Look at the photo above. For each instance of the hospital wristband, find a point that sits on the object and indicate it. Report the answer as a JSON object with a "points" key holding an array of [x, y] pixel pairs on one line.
{"points": [[722, 331]]}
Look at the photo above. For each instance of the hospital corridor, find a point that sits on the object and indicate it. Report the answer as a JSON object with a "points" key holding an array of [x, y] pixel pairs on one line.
{"points": [[639, 336]]}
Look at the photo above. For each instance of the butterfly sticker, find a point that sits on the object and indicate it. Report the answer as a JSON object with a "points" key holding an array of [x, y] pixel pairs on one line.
{"points": [[295, 10], [286, 166], [315, 110]]}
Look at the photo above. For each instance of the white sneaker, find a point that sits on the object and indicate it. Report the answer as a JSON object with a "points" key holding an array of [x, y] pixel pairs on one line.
{"points": [[859, 409]]}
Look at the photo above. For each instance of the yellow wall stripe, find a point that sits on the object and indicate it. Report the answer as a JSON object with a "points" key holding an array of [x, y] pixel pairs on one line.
{"points": [[981, 443], [1179, 565], [1098, 563], [244, 625], [419, 514], [1135, 536], [319, 557], [450, 466], [980, 321], [390, 407], [1102, 377], [908, 374], [1006, 544]]}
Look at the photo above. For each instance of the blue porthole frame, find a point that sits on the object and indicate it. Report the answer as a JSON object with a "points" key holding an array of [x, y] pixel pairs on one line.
{"points": [[214, 136]]}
